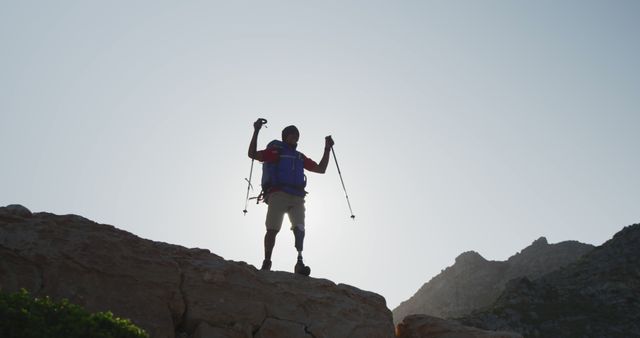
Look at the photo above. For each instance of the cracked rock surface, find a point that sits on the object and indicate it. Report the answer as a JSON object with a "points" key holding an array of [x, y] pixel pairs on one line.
{"points": [[172, 291]]}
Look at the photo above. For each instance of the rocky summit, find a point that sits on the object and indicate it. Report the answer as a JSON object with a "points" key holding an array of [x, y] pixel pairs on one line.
{"points": [[172, 291], [597, 296], [474, 283], [567, 289]]}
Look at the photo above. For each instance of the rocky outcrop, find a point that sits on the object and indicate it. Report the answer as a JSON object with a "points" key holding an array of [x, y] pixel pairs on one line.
{"points": [[473, 282], [423, 326], [597, 296], [172, 291]]}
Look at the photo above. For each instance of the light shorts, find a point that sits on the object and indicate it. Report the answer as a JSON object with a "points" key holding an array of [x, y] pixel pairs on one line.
{"points": [[280, 203]]}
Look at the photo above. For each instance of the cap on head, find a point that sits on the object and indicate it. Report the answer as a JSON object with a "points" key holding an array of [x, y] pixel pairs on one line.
{"points": [[288, 131]]}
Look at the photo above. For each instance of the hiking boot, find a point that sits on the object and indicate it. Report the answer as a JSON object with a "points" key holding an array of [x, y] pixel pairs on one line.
{"points": [[266, 265], [302, 269]]}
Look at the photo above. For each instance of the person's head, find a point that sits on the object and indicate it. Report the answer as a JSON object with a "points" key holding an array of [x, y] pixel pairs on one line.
{"points": [[290, 135]]}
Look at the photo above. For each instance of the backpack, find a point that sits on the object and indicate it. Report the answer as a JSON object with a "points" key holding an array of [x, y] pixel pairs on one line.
{"points": [[286, 174]]}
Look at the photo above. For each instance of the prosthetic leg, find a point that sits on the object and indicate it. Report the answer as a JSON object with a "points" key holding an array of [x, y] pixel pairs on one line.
{"points": [[298, 233]]}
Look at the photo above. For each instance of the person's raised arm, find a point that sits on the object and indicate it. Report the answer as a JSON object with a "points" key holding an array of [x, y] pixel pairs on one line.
{"points": [[324, 162], [253, 152]]}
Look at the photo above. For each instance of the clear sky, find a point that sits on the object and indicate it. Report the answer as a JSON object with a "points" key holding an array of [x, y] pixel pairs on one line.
{"points": [[459, 125]]}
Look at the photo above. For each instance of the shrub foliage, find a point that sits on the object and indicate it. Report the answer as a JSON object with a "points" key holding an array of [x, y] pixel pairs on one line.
{"points": [[24, 316]]}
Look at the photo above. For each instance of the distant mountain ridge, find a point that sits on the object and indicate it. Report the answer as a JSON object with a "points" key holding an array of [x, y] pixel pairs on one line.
{"points": [[597, 296], [474, 283]]}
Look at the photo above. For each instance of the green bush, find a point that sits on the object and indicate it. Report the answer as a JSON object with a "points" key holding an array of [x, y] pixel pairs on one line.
{"points": [[25, 317]]}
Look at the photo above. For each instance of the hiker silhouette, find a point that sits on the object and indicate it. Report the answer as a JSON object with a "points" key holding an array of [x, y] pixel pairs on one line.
{"points": [[283, 187]]}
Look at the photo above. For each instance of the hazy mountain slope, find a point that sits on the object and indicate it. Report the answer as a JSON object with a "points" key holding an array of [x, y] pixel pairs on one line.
{"points": [[474, 282], [597, 296]]}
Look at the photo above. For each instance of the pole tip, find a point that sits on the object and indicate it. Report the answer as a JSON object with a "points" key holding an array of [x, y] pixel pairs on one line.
{"points": [[245, 212], [353, 217]]}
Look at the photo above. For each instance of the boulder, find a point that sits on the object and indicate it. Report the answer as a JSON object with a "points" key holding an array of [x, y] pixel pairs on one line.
{"points": [[17, 210]]}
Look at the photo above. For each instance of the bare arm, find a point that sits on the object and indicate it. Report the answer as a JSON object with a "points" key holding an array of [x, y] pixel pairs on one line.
{"points": [[253, 152], [324, 162]]}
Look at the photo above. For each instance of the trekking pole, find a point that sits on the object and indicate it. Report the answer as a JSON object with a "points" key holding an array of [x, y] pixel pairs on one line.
{"points": [[249, 186], [353, 217]]}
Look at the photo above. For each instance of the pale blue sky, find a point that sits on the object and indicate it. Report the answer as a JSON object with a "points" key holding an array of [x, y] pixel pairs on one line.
{"points": [[459, 125]]}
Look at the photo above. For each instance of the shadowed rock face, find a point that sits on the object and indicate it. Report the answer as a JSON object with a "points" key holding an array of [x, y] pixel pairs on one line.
{"points": [[597, 296], [423, 326], [473, 282], [173, 291]]}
